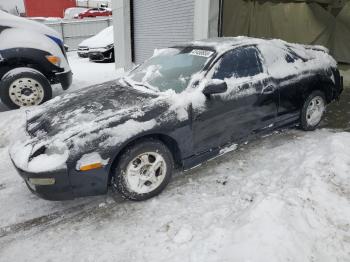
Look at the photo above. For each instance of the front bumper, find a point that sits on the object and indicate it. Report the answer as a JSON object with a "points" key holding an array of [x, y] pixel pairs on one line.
{"points": [[60, 190], [98, 56], [83, 54], [65, 79]]}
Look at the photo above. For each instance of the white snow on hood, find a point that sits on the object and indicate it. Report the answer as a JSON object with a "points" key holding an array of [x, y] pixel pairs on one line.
{"points": [[102, 39]]}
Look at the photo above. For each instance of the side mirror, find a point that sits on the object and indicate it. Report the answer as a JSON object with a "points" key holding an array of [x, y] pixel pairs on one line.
{"points": [[215, 88]]}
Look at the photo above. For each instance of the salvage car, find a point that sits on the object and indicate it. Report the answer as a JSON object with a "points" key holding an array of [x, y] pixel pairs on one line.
{"points": [[32, 58], [185, 105], [99, 48], [73, 12]]}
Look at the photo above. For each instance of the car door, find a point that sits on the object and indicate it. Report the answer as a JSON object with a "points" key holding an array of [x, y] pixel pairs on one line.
{"points": [[248, 106], [292, 88]]}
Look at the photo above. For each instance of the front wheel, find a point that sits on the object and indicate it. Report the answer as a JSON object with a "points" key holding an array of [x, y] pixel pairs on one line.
{"points": [[23, 87], [143, 171], [313, 111]]}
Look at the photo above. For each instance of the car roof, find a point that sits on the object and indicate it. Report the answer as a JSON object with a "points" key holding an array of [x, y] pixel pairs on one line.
{"points": [[223, 44]]}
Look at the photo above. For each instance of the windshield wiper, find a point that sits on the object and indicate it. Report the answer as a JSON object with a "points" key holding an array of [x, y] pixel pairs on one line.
{"points": [[148, 86], [143, 84], [126, 82]]}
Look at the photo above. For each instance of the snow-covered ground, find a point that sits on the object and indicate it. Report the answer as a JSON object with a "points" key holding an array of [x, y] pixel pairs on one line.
{"points": [[285, 197]]}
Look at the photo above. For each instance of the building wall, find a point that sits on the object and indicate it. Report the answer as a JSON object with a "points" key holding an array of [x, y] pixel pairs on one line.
{"points": [[159, 24], [47, 8], [321, 22]]}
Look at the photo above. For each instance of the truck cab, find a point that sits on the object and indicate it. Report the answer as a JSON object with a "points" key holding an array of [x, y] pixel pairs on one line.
{"points": [[32, 58]]}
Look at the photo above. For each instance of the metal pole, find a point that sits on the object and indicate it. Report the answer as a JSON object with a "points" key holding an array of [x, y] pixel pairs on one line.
{"points": [[122, 33]]}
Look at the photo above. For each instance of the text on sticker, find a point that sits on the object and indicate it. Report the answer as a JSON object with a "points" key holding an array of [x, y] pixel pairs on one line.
{"points": [[199, 52]]}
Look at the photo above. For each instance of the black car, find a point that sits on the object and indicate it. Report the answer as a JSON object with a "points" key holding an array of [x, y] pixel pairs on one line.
{"points": [[185, 105], [102, 55], [32, 58], [99, 48]]}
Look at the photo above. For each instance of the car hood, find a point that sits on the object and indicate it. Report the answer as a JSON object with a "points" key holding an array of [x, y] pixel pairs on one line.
{"points": [[102, 39], [94, 113]]}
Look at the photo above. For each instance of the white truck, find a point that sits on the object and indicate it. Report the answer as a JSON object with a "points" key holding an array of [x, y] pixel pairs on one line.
{"points": [[32, 58]]}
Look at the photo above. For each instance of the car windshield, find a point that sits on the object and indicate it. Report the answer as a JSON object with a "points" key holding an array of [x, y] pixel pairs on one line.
{"points": [[170, 68]]}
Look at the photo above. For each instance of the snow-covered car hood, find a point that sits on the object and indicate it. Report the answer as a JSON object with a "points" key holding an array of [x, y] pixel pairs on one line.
{"points": [[102, 39], [92, 112]]}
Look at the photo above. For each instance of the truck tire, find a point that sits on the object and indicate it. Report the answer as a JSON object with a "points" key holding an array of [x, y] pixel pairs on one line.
{"points": [[24, 86]]}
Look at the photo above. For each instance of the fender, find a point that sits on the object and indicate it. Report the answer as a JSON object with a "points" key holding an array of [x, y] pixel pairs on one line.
{"points": [[27, 57], [2, 28]]}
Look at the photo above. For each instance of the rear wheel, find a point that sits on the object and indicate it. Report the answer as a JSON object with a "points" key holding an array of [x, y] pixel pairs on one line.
{"points": [[143, 171], [23, 87], [313, 110]]}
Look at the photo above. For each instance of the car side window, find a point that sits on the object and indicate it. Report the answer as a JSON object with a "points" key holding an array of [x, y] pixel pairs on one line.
{"points": [[238, 63]]}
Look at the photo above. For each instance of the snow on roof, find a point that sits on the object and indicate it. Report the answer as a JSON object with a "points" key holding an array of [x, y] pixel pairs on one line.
{"points": [[9, 20], [222, 44], [274, 53]]}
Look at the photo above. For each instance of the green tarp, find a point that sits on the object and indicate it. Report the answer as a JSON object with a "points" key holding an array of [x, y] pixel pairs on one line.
{"points": [[323, 22]]}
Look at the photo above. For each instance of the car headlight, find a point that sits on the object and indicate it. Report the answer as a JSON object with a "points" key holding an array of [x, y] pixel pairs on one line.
{"points": [[109, 46], [38, 152], [48, 157]]}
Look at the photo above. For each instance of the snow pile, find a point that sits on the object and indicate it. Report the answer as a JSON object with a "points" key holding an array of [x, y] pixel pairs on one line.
{"points": [[275, 57]]}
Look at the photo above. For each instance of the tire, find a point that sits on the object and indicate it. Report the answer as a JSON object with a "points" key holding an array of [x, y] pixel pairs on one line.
{"points": [[313, 111], [29, 86], [133, 162]]}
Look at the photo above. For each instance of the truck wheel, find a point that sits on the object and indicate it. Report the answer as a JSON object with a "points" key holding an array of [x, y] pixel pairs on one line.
{"points": [[23, 87], [313, 111], [143, 171]]}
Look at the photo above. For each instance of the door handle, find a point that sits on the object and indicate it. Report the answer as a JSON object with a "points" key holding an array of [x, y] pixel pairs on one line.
{"points": [[268, 90]]}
